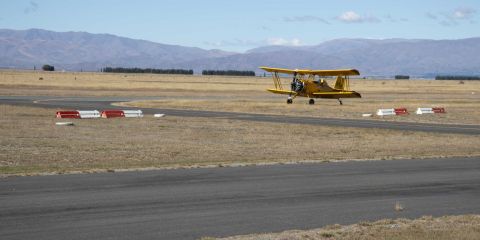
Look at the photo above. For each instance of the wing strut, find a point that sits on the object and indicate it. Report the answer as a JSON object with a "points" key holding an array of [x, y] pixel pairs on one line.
{"points": [[276, 81]]}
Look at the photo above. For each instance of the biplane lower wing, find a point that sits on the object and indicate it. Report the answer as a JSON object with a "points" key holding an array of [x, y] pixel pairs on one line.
{"points": [[278, 91], [341, 94]]}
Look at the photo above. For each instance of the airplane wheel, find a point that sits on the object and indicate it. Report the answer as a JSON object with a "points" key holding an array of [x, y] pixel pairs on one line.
{"points": [[311, 101], [289, 101]]}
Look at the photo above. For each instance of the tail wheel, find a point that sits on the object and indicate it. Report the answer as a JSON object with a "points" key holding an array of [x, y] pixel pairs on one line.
{"points": [[311, 101], [289, 101]]}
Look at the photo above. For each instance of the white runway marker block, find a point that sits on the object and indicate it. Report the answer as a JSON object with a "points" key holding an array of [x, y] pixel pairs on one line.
{"points": [[386, 112], [133, 113], [424, 110], [430, 110], [89, 113], [158, 115], [392, 111]]}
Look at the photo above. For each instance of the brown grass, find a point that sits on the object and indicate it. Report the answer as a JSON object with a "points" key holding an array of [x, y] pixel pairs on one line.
{"points": [[464, 227], [123, 84], [462, 102], [31, 143], [247, 94]]}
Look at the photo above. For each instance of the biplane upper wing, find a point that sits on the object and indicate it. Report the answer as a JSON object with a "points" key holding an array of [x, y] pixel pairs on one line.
{"points": [[284, 70], [336, 72]]}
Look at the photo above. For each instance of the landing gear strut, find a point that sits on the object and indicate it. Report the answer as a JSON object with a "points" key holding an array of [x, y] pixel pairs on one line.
{"points": [[311, 101]]}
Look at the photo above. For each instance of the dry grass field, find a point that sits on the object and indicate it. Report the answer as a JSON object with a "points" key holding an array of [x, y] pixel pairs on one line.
{"points": [[247, 94], [31, 143], [465, 227]]}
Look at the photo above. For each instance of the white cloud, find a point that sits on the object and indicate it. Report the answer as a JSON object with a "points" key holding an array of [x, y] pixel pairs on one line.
{"points": [[306, 18], [454, 17], [254, 43], [350, 16], [284, 42], [463, 13], [353, 17], [235, 43]]}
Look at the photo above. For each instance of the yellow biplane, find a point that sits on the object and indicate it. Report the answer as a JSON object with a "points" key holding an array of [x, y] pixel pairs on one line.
{"points": [[306, 84]]}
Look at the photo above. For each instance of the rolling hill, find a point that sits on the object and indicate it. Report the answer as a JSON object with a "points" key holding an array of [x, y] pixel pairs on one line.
{"points": [[76, 50], [81, 50]]}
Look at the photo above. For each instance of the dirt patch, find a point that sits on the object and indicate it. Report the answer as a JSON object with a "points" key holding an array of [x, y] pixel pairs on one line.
{"points": [[466, 227]]}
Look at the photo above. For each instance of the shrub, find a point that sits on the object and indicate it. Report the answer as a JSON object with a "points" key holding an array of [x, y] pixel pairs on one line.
{"points": [[47, 67]]}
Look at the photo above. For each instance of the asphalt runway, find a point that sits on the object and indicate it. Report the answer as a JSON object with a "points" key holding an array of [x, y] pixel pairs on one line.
{"points": [[191, 203], [102, 103]]}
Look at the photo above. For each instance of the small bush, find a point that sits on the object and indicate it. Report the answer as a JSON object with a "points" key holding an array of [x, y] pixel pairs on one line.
{"points": [[327, 234], [47, 67]]}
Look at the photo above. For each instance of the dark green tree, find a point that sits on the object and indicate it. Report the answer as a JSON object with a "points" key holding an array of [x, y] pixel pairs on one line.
{"points": [[47, 67]]}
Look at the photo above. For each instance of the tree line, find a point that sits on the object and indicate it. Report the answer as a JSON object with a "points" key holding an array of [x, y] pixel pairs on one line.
{"points": [[147, 70], [47, 67], [452, 77], [228, 72], [402, 77], [177, 71]]}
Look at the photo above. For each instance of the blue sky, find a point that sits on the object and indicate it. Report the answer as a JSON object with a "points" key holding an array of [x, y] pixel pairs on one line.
{"points": [[246, 24]]}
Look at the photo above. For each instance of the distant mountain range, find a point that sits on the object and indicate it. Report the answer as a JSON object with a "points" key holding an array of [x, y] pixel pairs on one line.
{"points": [[90, 52]]}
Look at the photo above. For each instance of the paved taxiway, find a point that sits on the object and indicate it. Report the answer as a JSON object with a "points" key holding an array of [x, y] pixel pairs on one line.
{"points": [[101, 103], [191, 203]]}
